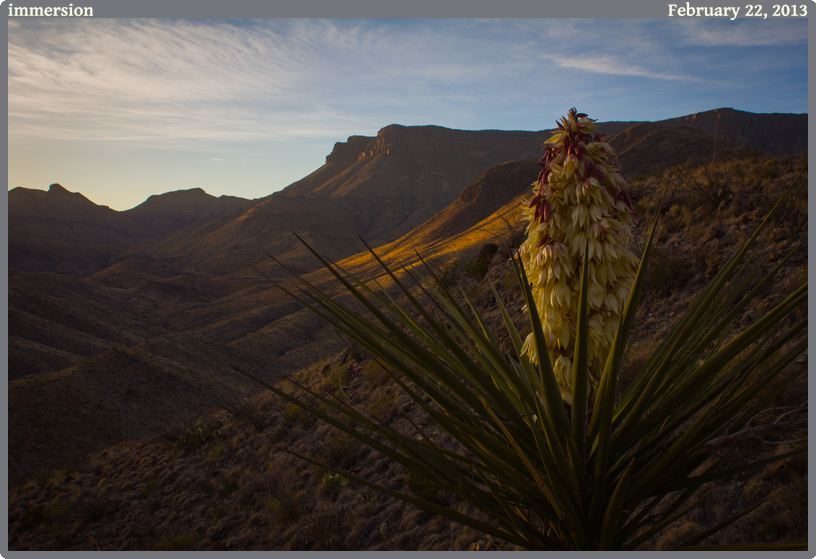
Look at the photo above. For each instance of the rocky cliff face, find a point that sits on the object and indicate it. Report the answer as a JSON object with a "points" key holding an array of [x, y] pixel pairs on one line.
{"points": [[348, 151], [416, 141], [786, 133]]}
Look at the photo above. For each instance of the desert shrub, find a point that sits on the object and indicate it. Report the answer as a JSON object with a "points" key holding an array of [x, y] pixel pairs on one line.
{"points": [[513, 235], [376, 373], [449, 274], [295, 414], [333, 480], [324, 527], [667, 270], [384, 408], [351, 348], [477, 268], [149, 488], [771, 169], [511, 284], [92, 508], [229, 484], [218, 511], [340, 451], [786, 513], [242, 407], [339, 375], [174, 427], [286, 506], [196, 437]]}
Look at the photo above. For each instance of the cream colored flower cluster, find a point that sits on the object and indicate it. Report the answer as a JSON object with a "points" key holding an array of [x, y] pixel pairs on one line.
{"points": [[580, 204]]}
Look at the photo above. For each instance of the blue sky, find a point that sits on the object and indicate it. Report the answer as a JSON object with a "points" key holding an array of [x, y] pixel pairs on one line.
{"points": [[122, 109]]}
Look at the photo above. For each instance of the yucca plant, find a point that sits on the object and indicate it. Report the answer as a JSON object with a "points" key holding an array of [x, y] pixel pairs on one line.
{"points": [[608, 474]]}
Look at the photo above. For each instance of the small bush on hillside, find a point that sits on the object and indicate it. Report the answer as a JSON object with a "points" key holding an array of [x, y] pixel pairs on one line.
{"points": [[477, 269], [449, 274], [384, 408], [243, 408], [376, 373], [667, 270], [352, 349], [195, 438]]}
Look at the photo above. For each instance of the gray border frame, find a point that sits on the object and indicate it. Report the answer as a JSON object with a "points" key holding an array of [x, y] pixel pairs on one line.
{"points": [[345, 9]]}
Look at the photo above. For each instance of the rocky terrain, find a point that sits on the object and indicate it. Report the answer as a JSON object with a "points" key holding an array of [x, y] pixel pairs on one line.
{"points": [[126, 327]]}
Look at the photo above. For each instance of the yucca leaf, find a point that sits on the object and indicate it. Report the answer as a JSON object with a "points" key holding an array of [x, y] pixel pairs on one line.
{"points": [[735, 347], [710, 532], [611, 519], [524, 360], [688, 324], [641, 519], [677, 485], [553, 403], [425, 504], [580, 366], [625, 326], [682, 391], [729, 405], [605, 407], [659, 526]]}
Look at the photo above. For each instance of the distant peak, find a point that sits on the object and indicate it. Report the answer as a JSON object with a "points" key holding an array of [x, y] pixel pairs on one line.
{"points": [[57, 188], [180, 194]]}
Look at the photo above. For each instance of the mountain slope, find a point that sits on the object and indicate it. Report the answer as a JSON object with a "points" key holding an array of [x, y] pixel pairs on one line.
{"points": [[69, 217], [779, 132], [380, 188], [166, 212]]}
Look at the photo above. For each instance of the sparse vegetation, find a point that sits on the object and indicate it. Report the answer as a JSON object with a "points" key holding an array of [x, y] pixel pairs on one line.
{"points": [[236, 487], [449, 274], [352, 348], [477, 268], [239, 405], [603, 474]]}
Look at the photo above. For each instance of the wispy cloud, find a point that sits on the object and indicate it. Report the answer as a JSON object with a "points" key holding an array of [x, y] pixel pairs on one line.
{"points": [[149, 80], [171, 81], [614, 66], [748, 33]]}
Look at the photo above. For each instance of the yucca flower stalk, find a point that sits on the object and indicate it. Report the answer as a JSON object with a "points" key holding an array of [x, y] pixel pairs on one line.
{"points": [[548, 477], [580, 205]]}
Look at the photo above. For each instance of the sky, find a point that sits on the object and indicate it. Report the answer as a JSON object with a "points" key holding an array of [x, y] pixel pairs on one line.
{"points": [[122, 109]]}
